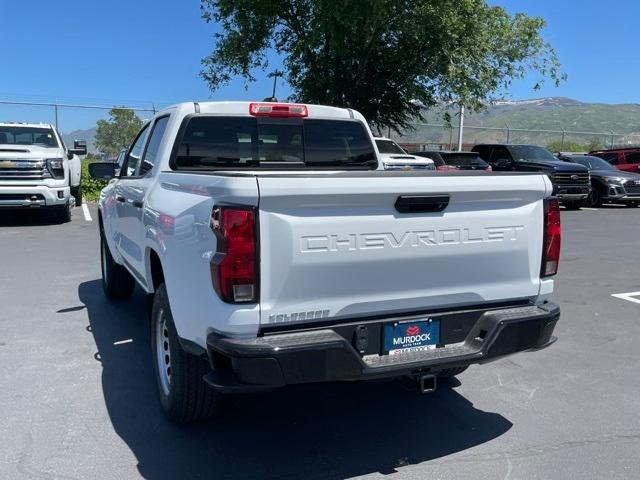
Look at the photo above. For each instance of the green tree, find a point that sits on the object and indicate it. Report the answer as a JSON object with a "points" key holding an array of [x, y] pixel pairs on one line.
{"points": [[385, 58], [116, 133]]}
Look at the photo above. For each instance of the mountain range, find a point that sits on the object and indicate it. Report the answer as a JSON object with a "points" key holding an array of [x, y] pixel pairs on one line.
{"points": [[507, 118], [89, 135]]}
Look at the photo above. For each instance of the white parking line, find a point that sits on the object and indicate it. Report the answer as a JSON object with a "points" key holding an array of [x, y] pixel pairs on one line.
{"points": [[588, 208], [85, 210], [629, 297]]}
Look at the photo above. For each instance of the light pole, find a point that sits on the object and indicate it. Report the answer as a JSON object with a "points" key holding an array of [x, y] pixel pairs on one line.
{"points": [[460, 127], [275, 74]]}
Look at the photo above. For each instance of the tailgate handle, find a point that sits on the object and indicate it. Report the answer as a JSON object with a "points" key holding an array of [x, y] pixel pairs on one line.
{"points": [[421, 203]]}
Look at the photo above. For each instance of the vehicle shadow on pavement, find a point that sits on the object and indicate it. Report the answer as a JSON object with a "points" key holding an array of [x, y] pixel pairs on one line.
{"points": [[312, 432], [27, 218]]}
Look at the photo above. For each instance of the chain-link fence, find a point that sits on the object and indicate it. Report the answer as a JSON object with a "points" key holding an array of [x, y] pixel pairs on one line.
{"points": [[424, 136], [74, 121]]}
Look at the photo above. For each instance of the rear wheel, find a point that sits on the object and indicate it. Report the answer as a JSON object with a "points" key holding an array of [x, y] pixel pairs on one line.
{"points": [[632, 204], [117, 282], [184, 395]]}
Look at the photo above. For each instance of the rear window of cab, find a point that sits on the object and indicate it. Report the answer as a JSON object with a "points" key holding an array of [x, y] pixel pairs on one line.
{"points": [[224, 142]]}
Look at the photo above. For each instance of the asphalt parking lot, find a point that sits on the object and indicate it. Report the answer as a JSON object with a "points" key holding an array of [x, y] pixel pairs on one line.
{"points": [[78, 396]]}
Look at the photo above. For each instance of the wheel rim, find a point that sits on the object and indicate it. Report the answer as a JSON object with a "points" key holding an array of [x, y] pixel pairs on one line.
{"points": [[163, 352]]}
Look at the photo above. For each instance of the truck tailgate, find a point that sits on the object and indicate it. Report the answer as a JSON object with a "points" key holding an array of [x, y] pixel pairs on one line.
{"points": [[335, 246]]}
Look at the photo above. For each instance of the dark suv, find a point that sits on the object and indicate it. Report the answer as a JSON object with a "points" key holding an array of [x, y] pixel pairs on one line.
{"points": [[571, 181]]}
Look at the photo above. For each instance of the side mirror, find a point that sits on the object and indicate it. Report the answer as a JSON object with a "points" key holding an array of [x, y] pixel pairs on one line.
{"points": [[79, 148], [503, 164], [103, 170]]}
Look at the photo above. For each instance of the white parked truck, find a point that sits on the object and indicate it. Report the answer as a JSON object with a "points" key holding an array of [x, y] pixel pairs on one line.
{"points": [[393, 157], [38, 170], [276, 254]]}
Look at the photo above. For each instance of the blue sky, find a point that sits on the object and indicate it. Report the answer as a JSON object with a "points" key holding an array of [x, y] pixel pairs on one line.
{"points": [[148, 52]]}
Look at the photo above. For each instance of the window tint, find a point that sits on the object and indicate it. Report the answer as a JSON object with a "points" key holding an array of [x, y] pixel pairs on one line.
{"points": [[133, 159], [500, 153], [387, 146], [525, 153], [592, 162], [245, 142], [151, 153], [632, 157], [17, 135], [612, 158], [483, 150], [435, 156], [464, 160]]}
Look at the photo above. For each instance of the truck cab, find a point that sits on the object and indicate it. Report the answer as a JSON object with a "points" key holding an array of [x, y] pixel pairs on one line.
{"points": [[37, 170]]}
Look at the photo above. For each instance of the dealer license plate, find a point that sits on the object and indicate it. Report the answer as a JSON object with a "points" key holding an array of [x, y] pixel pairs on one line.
{"points": [[411, 336]]}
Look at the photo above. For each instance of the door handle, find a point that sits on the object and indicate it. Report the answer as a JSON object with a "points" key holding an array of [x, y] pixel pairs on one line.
{"points": [[421, 203], [120, 198], [137, 204]]}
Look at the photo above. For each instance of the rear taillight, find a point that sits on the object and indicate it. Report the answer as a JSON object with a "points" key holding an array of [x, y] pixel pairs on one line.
{"points": [[278, 110], [234, 270], [552, 236]]}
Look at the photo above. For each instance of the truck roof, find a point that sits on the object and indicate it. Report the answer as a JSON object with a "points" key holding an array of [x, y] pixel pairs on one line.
{"points": [[242, 108], [24, 124]]}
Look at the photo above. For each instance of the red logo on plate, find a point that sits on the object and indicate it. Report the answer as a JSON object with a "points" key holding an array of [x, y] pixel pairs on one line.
{"points": [[414, 330]]}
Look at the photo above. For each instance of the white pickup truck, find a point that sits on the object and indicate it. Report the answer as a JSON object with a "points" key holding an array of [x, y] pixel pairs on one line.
{"points": [[276, 254], [37, 169]]}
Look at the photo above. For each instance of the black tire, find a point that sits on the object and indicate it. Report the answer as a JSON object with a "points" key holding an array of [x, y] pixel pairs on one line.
{"points": [[451, 372], [594, 199], [573, 205], [632, 204], [77, 194], [63, 214], [184, 395], [117, 282]]}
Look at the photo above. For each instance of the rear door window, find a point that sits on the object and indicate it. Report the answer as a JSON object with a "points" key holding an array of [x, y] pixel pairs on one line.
{"points": [[215, 142], [151, 152]]}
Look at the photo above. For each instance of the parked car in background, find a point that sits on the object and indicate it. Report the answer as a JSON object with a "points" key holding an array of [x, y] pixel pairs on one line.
{"points": [[625, 159], [608, 185], [452, 160], [38, 170], [292, 260], [571, 180], [393, 157]]}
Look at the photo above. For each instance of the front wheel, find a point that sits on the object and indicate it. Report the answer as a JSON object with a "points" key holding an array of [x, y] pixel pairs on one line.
{"points": [[184, 395], [595, 198], [63, 214], [117, 282]]}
